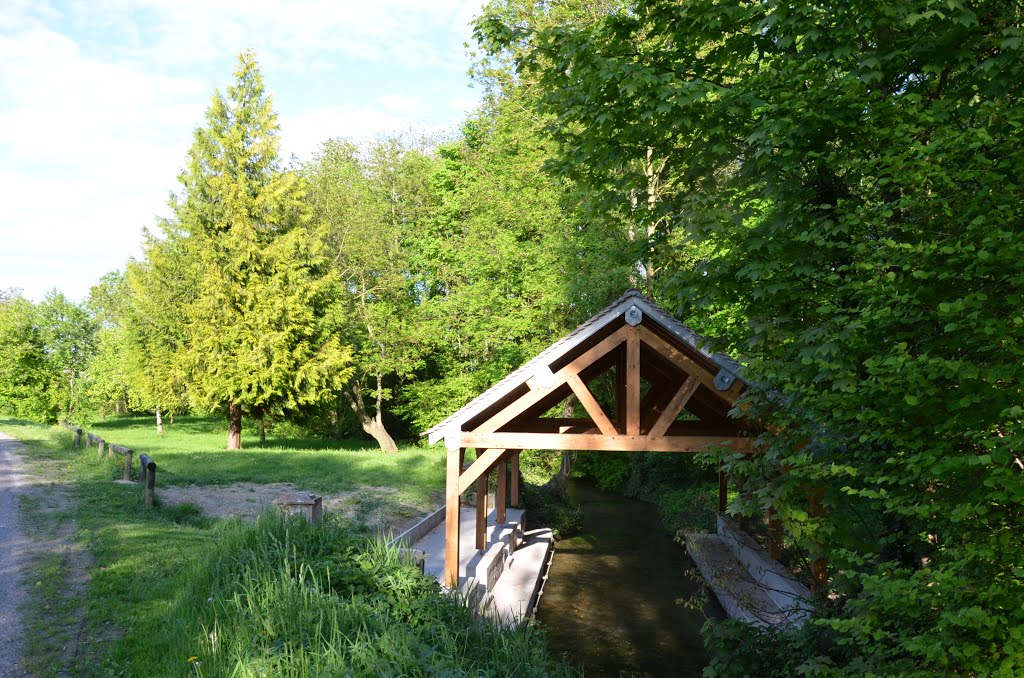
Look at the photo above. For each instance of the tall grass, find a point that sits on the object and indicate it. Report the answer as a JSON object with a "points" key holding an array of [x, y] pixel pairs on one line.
{"points": [[275, 598], [284, 598]]}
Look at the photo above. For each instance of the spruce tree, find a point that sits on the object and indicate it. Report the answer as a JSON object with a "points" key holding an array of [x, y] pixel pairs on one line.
{"points": [[258, 340]]}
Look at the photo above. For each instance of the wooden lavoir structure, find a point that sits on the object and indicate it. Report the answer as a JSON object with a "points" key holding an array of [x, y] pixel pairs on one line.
{"points": [[670, 395]]}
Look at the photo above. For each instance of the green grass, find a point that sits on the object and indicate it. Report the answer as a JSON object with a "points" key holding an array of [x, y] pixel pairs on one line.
{"points": [[151, 571], [192, 452]]}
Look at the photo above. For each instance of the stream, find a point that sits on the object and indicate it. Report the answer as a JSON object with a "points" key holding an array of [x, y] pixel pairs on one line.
{"points": [[613, 600]]}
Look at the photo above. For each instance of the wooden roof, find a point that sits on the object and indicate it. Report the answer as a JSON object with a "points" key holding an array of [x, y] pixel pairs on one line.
{"points": [[670, 359]]}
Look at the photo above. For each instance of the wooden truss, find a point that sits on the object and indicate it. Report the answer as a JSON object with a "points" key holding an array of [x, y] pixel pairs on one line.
{"points": [[662, 393]]}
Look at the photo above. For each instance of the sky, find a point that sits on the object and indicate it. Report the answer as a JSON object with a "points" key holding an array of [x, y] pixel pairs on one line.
{"points": [[99, 100]]}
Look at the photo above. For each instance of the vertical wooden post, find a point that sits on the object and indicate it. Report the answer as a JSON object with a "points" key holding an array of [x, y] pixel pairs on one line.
{"points": [[501, 499], [78, 437], [451, 517], [128, 465], [620, 390], [723, 491], [514, 498], [633, 382], [481, 508], [147, 474], [99, 448]]}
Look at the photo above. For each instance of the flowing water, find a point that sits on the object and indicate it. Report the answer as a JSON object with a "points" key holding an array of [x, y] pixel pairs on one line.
{"points": [[613, 599]]}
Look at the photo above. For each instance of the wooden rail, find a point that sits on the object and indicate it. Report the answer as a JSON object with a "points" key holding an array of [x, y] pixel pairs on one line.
{"points": [[147, 467], [127, 453], [78, 434], [93, 439]]}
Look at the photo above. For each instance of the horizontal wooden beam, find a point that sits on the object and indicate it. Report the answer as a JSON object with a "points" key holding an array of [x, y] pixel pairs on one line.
{"points": [[588, 441]]}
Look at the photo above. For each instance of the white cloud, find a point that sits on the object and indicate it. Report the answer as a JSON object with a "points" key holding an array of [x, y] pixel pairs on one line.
{"points": [[100, 98]]}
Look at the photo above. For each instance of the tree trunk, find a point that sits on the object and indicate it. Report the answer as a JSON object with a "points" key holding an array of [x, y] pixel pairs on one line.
{"points": [[171, 415], [234, 427], [263, 431], [374, 425], [159, 422]]}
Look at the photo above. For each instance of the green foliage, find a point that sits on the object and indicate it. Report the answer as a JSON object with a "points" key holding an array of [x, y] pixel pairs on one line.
{"points": [[259, 335], [609, 470], [844, 199], [23, 369], [739, 650], [371, 203], [46, 348]]}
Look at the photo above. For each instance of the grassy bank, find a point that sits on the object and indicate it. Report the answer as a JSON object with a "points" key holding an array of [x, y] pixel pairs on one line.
{"points": [[167, 585]]}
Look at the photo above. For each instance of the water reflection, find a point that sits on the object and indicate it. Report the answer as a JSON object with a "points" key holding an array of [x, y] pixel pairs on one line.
{"points": [[612, 602]]}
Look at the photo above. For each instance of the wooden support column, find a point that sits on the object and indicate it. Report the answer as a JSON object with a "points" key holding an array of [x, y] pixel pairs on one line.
{"points": [[481, 509], [723, 491], [633, 382], [451, 517], [502, 497], [514, 460]]}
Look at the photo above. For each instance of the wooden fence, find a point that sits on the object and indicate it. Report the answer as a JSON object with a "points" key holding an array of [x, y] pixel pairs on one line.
{"points": [[147, 467]]}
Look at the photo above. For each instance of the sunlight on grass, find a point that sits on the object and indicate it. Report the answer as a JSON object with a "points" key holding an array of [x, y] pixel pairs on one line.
{"points": [[192, 452], [143, 559]]}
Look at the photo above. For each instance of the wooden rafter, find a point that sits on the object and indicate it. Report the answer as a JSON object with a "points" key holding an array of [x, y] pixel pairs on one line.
{"points": [[689, 366], [674, 407], [559, 378], [591, 405], [485, 459]]}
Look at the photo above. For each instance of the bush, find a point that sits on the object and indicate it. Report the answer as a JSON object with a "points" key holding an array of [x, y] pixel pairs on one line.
{"points": [[740, 650]]}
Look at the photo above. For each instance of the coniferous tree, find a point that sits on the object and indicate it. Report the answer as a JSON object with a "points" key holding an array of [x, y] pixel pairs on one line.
{"points": [[258, 339]]}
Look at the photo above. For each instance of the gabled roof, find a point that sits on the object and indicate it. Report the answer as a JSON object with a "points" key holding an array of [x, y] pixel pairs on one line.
{"points": [[727, 369]]}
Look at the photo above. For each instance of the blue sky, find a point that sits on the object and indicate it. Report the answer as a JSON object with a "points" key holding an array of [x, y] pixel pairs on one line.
{"points": [[99, 98]]}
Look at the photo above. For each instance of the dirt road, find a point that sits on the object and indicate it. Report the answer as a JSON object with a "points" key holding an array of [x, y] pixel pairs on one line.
{"points": [[14, 559]]}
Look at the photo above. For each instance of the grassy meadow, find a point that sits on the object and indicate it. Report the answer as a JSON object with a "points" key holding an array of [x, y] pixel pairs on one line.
{"points": [[121, 590]]}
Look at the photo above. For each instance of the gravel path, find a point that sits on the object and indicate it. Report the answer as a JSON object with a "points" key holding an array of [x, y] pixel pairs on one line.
{"points": [[14, 558]]}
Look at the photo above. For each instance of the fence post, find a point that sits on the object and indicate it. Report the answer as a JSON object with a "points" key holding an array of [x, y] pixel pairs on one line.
{"points": [[128, 466], [121, 449], [148, 476]]}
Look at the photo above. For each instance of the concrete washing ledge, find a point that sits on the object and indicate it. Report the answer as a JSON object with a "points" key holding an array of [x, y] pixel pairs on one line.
{"points": [[749, 584], [506, 579]]}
